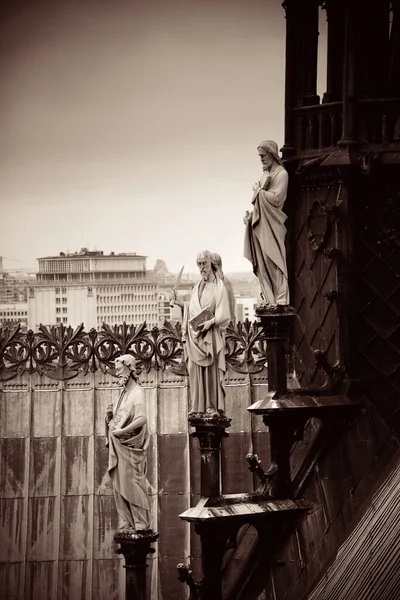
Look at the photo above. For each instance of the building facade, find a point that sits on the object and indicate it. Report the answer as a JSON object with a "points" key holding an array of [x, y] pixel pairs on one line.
{"points": [[14, 284], [93, 288], [245, 308], [14, 313]]}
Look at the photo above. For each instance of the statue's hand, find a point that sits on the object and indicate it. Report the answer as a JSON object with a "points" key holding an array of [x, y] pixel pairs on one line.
{"points": [[206, 325], [256, 187], [117, 432], [173, 299], [247, 217]]}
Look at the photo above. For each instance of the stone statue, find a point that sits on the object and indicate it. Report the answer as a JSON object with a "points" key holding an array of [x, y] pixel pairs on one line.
{"points": [[217, 263], [264, 244], [205, 319], [128, 439]]}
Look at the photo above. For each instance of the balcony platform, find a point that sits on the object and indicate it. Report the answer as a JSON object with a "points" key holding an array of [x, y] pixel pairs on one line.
{"points": [[243, 507]]}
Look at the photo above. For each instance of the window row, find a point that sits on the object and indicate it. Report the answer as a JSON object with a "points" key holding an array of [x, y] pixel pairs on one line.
{"points": [[128, 308], [140, 318], [126, 298], [136, 287]]}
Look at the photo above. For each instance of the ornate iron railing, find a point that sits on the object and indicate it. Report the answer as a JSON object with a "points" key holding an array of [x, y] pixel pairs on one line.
{"points": [[62, 353]]}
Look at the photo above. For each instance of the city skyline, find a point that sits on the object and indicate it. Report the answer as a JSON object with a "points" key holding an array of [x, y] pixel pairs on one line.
{"points": [[133, 127], [31, 270]]}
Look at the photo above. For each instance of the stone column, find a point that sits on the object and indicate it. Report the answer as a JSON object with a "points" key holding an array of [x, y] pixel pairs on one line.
{"points": [[349, 80], [394, 50], [291, 80], [335, 14], [371, 22], [210, 429], [213, 538], [284, 429], [135, 547], [307, 17], [276, 322]]}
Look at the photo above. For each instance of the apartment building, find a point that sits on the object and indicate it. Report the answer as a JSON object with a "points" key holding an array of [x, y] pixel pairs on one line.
{"points": [[93, 288], [14, 313]]}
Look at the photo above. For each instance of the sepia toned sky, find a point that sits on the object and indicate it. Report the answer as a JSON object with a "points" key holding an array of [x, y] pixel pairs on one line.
{"points": [[132, 125]]}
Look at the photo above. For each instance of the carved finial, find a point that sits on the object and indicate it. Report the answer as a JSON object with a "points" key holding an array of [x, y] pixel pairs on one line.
{"points": [[185, 575], [254, 464]]}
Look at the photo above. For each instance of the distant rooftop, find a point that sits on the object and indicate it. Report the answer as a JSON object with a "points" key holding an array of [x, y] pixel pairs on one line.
{"points": [[85, 252]]}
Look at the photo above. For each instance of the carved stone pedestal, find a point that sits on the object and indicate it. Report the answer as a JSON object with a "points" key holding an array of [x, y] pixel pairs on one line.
{"points": [[276, 322], [210, 429], [218, 521], [286, 412], [286, 418], [273, 507], [135, 547]]}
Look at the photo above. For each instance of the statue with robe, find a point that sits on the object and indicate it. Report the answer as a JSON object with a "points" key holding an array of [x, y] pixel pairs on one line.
{"points": [[205, 319], [265, 233], [128, 440]]}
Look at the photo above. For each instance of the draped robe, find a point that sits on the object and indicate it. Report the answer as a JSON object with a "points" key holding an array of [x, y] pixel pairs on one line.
{"points": [[205, 353], [231, 298], [127, 464], [264, 244]]}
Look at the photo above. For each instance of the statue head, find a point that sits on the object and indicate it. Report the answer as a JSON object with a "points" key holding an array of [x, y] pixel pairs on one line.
{"points": [[125, 367], [216, 262], [268, 153], [207, 269]]}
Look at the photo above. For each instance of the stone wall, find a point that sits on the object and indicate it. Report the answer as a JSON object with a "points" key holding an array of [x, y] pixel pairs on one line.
{"points": [[57, 514]]}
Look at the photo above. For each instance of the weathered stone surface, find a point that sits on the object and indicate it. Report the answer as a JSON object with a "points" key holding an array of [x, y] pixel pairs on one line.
{"points": [[44, 467], [46, 412], [76, 527], [43, 524], [78, 413], [12, 467], [105, 525], [74, 579], [41, 579], [77, 465], [12, 522], [14, 414]]}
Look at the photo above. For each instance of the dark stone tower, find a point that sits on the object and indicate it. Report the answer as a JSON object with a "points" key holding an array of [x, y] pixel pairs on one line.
{"points": [[343, 154]]}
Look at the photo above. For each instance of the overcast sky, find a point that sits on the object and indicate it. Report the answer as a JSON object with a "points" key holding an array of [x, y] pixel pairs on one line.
{"points": [[132, 125]]}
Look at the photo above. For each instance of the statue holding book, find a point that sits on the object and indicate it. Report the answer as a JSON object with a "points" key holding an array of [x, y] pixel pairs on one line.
{"points": [[264, 244], [205, 319]]}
